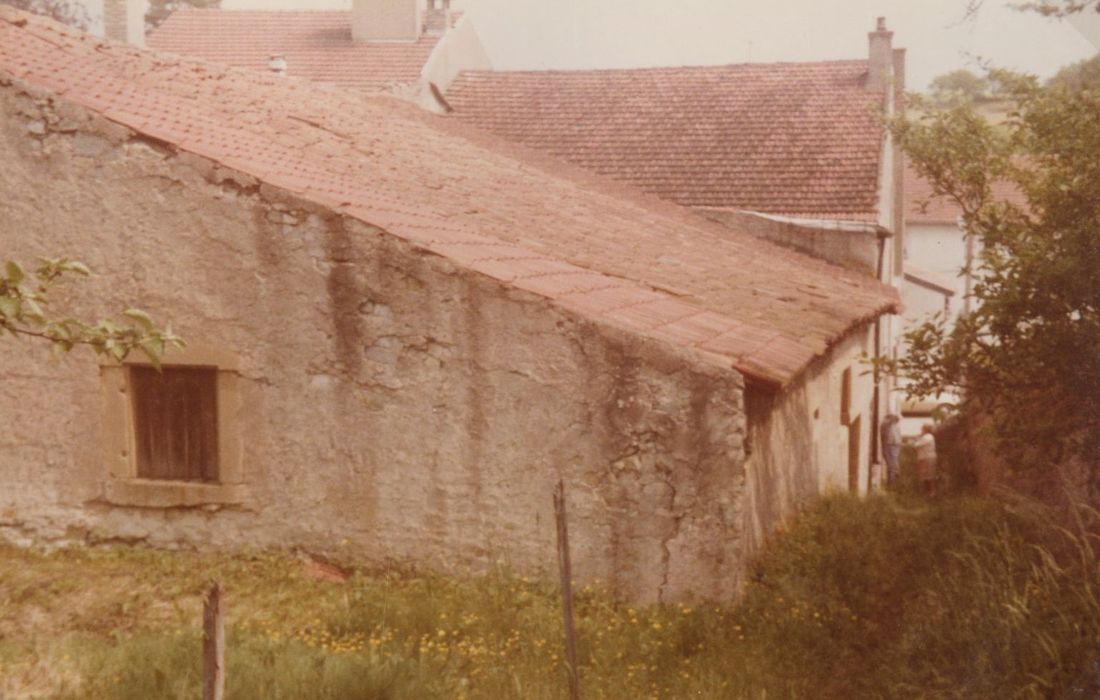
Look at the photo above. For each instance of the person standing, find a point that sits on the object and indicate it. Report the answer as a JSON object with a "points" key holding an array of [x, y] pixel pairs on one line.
{"points": [[926, 459], [890, 432]]}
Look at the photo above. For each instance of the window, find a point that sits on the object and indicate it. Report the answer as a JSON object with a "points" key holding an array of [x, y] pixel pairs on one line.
{"points": [[171, 438], [846, 397], [175, 422]]}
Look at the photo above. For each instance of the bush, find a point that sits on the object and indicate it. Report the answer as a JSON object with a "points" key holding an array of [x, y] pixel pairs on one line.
{"points": [[882, 597]]}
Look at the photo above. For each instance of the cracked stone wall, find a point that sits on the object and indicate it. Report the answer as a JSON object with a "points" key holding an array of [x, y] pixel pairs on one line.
{"points": [[395, 408]]}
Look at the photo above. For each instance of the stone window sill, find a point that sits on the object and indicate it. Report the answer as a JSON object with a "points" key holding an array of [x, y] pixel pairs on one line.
{"points": [[156, 493]]}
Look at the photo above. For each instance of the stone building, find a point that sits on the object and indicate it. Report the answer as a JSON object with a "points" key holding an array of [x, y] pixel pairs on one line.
{"points": [[401, 333], [793, 152]]}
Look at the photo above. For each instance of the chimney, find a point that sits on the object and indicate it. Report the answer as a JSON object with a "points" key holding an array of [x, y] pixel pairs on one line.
{"points": [[124, 20], [881, 58], [437, 20], [385, 20]]}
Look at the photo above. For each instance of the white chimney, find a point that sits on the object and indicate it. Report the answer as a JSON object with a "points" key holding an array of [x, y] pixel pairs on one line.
{"points": [[124, 20], [437, 20], [385, 20], [881, 59]]}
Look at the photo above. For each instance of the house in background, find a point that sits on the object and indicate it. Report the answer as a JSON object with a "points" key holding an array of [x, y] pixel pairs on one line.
{"points": [[402, 333], [797, 153], [939, 256]]}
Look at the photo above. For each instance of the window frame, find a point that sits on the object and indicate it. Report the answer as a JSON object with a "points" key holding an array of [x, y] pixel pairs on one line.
{"points": [[123, 486]]}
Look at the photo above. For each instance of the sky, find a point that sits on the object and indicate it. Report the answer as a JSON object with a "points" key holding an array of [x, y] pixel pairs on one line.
{"points": [[541, 34]]}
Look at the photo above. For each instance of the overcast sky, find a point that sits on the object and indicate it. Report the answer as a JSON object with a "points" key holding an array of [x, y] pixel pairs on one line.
{"points": [[538, 34], [576, 33]]}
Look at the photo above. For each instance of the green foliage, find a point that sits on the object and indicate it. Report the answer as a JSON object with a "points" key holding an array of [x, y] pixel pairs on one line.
{"points": [[24, 304], [1029, 355], [1083, 75], [960, 86], [881, 597], [1015, 611]]}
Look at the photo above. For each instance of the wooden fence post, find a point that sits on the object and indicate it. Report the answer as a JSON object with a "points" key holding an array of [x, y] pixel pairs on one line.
{"points": [[213, 645], [566, 592]]}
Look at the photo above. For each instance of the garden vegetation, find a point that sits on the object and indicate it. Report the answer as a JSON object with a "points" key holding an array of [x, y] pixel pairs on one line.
{"points": [[877, 598]]}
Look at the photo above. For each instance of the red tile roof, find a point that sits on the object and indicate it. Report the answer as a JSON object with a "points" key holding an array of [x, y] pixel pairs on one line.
{"points": [[317, 45], [596, 249], [800, 139], [924, 208]]}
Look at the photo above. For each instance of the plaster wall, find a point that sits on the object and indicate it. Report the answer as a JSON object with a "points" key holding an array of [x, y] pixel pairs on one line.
{"points": [[458, 49], [124, 20], [798, 445], [852, 249], [939, 248], [921, 301], [385, 20], [384, 398]]}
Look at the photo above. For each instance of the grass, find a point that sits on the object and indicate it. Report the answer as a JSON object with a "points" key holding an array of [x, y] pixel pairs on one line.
{"points": [[884, 597]]}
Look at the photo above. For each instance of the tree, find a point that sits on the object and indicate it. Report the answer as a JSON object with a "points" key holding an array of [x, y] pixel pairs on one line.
{"points": [[1029, 356], [24, 300], [70, 12], [74, 13], [1061, 8], [959, 86], [1079, 76], [1050, 8]]}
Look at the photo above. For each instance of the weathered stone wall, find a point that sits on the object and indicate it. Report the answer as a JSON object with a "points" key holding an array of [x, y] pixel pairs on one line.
{"points": [[798, 445], [388, 399]]}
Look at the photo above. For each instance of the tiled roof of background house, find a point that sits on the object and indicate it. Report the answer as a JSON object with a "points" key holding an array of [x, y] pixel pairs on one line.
{"points": [[317, 45], [801, 139], [592, 248], [923, 208]]}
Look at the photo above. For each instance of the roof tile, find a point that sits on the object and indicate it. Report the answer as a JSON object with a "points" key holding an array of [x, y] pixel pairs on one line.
{"points": [[317, 45], [595, 248], [799, 139]]}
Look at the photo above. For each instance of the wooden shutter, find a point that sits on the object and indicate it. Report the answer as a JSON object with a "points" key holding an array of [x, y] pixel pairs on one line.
{"points": [[176, 422], [846, 397]]}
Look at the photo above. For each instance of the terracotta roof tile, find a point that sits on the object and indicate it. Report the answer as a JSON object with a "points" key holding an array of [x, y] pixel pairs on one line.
{"points": [[799, 139], [317, 45], [925, 208], [595, 248]]}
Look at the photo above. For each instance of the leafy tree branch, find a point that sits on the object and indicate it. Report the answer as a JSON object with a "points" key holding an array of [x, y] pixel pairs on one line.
{"points": [[24, 312], [1029, 355]]}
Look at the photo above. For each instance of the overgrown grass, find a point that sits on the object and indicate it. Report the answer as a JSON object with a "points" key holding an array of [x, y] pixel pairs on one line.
{"points": [[877, 598]]}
